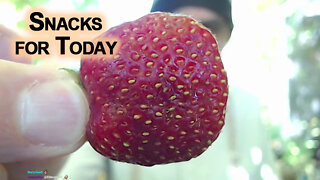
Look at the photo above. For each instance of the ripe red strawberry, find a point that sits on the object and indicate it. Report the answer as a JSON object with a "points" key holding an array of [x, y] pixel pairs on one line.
{"points": [[162, 97]]}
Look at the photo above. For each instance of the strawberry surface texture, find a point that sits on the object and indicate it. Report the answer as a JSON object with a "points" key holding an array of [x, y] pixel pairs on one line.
{"points": [[161, 98]]}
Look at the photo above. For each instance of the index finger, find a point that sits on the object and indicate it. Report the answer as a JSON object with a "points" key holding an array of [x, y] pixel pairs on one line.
{"points": [[6, 38]]}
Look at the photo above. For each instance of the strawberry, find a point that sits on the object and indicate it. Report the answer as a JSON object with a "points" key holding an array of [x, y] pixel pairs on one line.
{"points": [[162, 97]]}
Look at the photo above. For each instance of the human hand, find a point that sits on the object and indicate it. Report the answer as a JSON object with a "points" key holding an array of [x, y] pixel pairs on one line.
{"points": [[43, 113]]}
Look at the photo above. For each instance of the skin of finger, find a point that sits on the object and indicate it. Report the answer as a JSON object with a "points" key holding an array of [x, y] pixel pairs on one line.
{"points": [[3, 173], [13, 146], [7, 37], [19, 170]]}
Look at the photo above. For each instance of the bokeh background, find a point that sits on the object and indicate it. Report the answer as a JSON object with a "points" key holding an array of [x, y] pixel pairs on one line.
{"points": [[273, 53]]}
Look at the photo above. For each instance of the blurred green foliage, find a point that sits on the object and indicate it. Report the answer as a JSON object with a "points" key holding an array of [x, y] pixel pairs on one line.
{"points": [[20, 4], [303, 151], [305, 52], [84, 5]]}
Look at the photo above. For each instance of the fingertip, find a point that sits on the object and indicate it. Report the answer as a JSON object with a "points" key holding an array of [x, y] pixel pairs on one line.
{"points": [[7, 37]]}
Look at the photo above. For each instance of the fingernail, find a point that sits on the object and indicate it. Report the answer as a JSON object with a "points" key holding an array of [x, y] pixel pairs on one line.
{"points": [[53, 113]]}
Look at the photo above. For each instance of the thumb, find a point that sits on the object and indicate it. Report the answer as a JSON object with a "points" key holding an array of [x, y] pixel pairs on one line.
{"points": [[43, 112]]}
